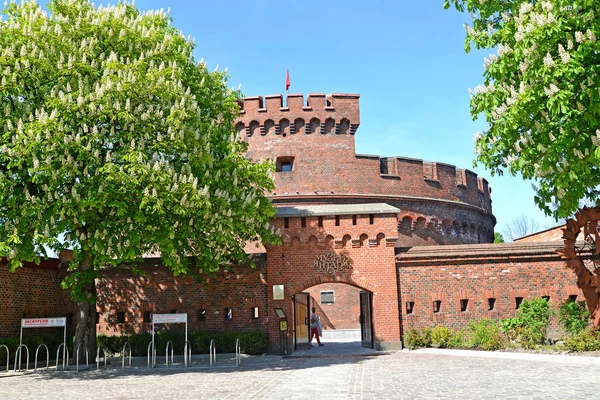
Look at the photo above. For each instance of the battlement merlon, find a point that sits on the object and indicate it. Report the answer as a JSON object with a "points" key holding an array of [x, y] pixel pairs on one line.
{"points": [[336, 106], [434, 172]]}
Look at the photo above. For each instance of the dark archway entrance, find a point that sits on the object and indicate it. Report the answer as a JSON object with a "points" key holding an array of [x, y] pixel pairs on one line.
{"points": [[345, 312]]}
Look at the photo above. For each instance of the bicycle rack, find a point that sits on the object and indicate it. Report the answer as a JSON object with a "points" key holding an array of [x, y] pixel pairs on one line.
{"points": [[238, 355], [123, 355], [98, 357], [18, 354], [65, 359], [212, 352], [7, 356], [36, 357], [87, 356], [151, 346], [187, 353], [169, 343]]}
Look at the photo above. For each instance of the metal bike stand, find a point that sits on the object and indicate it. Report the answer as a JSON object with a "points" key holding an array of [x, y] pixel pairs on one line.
{"points": [[98, 357], [212, 352], [187, 353], [151, 348], [18, 357], [123, 355], [7, 356], [87, 356], [47, 357], [238, 356], [169, 343], [65, 356]]}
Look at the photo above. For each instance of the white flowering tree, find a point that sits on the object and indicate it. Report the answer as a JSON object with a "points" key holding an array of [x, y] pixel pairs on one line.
{"points": [[115, 143], [541, 99]]}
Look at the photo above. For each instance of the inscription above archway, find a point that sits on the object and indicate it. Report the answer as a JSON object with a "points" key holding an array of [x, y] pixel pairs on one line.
{"points": [[332, 263]]}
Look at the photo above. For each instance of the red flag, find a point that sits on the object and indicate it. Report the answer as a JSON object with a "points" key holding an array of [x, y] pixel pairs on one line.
{"points": [[287, 79]]}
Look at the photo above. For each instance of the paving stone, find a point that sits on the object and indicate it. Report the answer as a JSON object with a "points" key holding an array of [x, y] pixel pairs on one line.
{"points": [[400, 375]]}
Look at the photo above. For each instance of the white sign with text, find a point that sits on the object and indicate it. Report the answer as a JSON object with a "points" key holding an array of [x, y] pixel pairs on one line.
{"points": [[169, 318], [43, 322]]}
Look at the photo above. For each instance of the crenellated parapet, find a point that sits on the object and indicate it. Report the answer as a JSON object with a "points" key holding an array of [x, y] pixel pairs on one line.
{"points": [[321, 113]]}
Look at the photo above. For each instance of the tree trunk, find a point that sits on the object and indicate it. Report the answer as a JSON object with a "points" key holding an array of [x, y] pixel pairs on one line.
{"points": [[85, 331], [582, 257]]}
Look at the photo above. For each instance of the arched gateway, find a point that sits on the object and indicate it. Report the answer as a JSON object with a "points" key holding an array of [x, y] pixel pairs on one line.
{"points": [[352, 244]]}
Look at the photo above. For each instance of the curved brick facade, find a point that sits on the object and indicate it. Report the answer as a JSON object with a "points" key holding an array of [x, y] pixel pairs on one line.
{"points": [[439, 203]]}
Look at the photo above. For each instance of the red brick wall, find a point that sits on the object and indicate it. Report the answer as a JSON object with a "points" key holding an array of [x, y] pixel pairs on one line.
{"points": [[370, 249], [241, 288], [549, 235], [477, 280], [445, 204], [32, 292], [344, 313]]}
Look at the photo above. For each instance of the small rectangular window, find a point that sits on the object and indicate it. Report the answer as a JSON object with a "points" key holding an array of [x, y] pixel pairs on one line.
{"points": [[286, 167], [491, 304], [354, 220], [286, 223], [337, 220], [201, 314], [327, 297], [98, 318], [303, 221], [254, 312], [371, 219], [573, 297], [464, 303], [410, 306], [228, 314], [320, 222], [437, 306], [120, 317], [147, 316], [518, 301], [547, 298], [284, 164]]}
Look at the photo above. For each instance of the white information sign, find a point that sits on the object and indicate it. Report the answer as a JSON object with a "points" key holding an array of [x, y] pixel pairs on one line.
{"points": [[169, 318], [43, 322]]}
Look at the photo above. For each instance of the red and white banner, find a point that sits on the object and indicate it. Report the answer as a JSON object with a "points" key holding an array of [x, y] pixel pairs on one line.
{"points": [[169, 318], [43, 322]]}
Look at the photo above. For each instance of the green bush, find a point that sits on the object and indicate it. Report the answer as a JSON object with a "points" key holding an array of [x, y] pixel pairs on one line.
{"points": [[484, 334], [587, 340], [574, 316], [457, 340], [441, 336], [416, 338], [529, 327]]}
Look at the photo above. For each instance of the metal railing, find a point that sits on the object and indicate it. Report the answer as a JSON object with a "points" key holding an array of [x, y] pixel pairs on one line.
{"points": [[65, 357], [87, 356], [123, 355], [98, 357], [7, 356], [169, 343], [18, 354], [187, 353], [238, 355], [151, 347], [212, 352], [47, 357]]}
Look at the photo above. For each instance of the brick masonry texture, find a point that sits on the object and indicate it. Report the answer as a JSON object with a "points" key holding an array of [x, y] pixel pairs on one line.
{"points": [[548, 235], [396, 257], [502, 274], [439, 203]]}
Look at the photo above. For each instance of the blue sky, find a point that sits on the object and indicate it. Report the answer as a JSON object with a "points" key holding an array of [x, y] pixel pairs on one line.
{"points": [[405, 59]]}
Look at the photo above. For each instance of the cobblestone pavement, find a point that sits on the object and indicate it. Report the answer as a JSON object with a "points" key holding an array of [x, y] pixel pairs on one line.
{"points": [[400, 375]]}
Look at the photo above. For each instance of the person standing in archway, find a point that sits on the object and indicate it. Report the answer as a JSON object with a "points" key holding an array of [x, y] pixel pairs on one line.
{"points": [[315, 327]]}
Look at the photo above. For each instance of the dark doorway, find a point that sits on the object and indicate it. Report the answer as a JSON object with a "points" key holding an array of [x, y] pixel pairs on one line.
{"points": [[301, 321], [366, 323]]}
